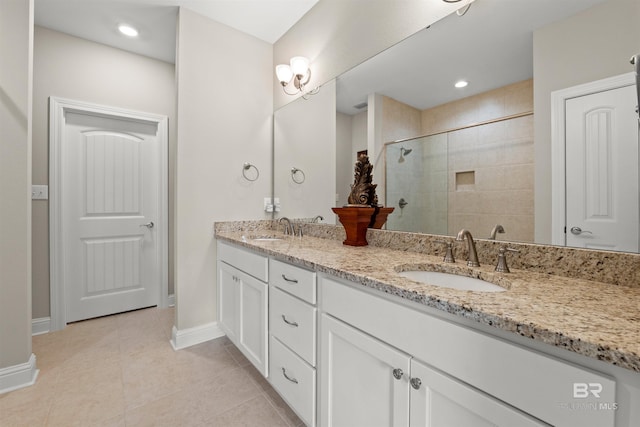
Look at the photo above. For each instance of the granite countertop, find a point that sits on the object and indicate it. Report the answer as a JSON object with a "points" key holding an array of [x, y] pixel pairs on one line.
{"points": [[595, 319]]}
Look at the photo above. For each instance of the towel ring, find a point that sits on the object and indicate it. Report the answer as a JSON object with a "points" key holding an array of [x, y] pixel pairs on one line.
{"points": [[248, 166], [294, 172]]}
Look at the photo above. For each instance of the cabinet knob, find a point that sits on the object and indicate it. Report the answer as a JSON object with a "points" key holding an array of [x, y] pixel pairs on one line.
{"points": [[293, 380], [294, 324], [416, 383], [397, 373]]}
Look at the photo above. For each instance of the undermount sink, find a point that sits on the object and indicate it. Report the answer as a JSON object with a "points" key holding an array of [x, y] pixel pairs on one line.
{"points": [[453, 281], [262, 238]]}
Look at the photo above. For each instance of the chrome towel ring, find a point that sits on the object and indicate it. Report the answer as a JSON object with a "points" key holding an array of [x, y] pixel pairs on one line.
{"points": [[247, 166], [294, 175]]}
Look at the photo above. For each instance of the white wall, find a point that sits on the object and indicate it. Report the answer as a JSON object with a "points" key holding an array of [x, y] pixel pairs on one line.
{"points": [[337, 35], [224, 86], [74, 68], [589, 46], [344, 163], [305, 138], [16, 54]]}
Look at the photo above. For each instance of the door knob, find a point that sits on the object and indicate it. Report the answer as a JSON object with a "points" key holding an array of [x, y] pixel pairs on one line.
{"points": [[577, 231], [150, 224]]}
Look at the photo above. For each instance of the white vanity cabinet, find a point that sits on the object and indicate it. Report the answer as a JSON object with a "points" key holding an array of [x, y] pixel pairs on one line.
{"points": [[363, 379], [243, 302], [385, 363], [369, 383], [292, 337]]}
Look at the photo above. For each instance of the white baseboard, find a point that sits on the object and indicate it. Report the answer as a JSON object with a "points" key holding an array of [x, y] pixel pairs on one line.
{"points": [[40, 326], [187, 337], [171, 300], [18, 376]]}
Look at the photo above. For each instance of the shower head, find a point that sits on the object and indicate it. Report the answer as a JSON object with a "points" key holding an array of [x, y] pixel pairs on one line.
{"points": [[404, 152]]}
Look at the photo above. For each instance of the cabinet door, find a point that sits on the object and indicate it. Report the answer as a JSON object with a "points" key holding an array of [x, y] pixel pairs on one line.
{"points": [[228, 303], [440, 401], [359, 388], [252, 331]]}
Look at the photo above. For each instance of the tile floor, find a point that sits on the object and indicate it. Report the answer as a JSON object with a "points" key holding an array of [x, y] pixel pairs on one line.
{"points": [[120, 370]]}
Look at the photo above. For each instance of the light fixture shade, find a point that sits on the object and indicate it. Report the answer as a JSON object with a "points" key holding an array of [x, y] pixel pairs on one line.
{"points": [[299, 65], [128, 30], [284, 73]]}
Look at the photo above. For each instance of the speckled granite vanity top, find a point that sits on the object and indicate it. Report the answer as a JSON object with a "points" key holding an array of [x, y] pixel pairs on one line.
{"points": [[592, 318]]}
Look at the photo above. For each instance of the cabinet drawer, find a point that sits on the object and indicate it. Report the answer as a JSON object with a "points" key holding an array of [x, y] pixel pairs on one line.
{"points": [[295, 280], [294, 323], [245, 260], [294, 380]]}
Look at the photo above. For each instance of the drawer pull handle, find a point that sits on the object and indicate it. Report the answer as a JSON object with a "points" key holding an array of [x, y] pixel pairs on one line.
{"points": [[416, 383], [294, 324], [289, 280], [397, 373], [293, 380]]}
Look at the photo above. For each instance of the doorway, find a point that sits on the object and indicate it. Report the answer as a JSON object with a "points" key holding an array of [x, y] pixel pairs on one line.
{"points": [[108, 210]]}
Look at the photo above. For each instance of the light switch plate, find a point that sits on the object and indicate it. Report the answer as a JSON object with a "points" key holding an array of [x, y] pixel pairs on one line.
{"points": [[39, 192]]}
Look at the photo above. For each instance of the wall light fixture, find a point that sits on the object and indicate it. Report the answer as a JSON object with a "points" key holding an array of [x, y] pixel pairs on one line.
{"points": [[298, 73], [463, 9]]}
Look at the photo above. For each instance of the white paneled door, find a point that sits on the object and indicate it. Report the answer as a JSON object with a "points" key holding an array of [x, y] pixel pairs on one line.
{"points": [[602, 171], [109, 194]]}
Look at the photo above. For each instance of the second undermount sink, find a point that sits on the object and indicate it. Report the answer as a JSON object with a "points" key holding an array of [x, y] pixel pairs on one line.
{"points": [[453, 281], [262, 238]]}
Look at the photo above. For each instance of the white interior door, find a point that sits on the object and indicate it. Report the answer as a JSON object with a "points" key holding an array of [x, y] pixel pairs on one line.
{"points": [[110, 176], [602, 191]]}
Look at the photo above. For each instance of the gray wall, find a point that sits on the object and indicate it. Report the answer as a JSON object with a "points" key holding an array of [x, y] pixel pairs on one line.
{"points": [[74, 68], [16, 25], [590, 46], [224, 82]]}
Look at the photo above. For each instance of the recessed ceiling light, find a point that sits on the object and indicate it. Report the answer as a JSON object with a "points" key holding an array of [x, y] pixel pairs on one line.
{"points": [[461, 84], [128, 30]]}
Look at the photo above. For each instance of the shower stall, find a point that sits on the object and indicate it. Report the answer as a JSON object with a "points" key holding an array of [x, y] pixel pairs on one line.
{"points": [[416, 177]]}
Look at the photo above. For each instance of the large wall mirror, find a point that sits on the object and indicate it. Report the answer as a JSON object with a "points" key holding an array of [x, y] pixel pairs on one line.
{"points": [[478, 156]]}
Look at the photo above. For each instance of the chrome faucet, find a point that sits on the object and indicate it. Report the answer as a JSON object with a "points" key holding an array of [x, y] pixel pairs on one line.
{"points": [[318, 218], [497, 229], [288, 228], [472, 260]]}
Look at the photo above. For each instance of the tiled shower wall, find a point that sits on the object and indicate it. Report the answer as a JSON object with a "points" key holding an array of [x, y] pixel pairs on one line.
{"points": [[490, 168]]}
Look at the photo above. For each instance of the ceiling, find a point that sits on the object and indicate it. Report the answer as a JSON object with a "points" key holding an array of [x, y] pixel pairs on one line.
{"points": [[490, 46], [97, 20]]}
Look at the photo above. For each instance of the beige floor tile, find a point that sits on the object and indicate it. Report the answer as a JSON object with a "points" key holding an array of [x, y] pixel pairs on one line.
{"points": [[88, 396], [257, 412], [150, 374], [121, 371], [237, 355], [257, 377], [226, 391], [172, 410], [204, 362], [31, 416], [283, 409]]}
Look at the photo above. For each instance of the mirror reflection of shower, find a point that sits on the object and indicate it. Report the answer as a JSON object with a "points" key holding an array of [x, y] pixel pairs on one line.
{"points": [[404, 152], [417, 187]]}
